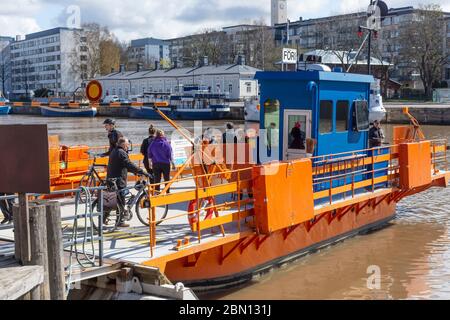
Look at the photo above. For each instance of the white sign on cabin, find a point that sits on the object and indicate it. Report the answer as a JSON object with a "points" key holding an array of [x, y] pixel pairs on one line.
{"points": [[180, 154], [290, 56]]}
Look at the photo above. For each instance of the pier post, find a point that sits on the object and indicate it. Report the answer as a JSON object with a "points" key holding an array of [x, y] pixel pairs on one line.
{"points": [[55, 251], [22, 216], [38, 239]]}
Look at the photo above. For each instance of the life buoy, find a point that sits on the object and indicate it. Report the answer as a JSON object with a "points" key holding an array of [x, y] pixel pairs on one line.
{"points": [[193, 206]]}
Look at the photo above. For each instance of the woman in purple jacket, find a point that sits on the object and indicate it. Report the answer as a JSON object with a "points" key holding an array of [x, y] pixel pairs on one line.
{"points": [[160, 154]]}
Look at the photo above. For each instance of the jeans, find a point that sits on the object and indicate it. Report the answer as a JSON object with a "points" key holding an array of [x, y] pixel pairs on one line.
{"points": [[6, 206], [159, 170]]}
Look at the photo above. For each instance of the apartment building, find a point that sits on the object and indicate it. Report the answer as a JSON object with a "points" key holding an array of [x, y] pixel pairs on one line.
{"points": [[53, 59], [339, 33], [147, 51]]}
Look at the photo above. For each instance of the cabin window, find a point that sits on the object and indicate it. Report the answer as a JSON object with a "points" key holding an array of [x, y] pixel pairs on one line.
{"points": [[326, 116], [272, 122], [342, 116], [361, 115]]}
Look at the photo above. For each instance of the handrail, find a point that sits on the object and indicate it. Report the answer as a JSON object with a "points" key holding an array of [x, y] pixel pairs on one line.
{"points": [[339, 176]]}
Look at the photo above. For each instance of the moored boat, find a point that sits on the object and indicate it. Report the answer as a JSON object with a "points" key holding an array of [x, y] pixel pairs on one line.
{"points": [[147, 112], [4, 110], [48, 111]]}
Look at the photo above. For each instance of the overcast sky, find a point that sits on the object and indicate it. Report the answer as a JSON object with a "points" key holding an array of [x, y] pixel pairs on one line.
{"points": [[131, 19]]}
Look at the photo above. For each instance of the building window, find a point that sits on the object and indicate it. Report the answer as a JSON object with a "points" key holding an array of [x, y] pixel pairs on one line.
{"points": [[326, 117], [230, 88], [249, 87], [342, 116]]}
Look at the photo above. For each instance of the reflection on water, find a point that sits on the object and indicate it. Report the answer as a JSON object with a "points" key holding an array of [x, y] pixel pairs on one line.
{"points": [[413, 253]]}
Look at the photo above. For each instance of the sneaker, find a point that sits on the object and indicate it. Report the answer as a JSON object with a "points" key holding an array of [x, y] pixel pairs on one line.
{"points": [[6, 220], [123, 225]]}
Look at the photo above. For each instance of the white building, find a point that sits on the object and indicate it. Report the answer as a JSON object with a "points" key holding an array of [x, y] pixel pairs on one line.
{"points": [[279, 12], [237, 80], [47, 60]]}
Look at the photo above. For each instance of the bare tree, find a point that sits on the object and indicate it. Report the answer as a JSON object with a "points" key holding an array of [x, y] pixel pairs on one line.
{"points": [[209, 43], [256, 42], [340, 38], [4, 74], [97, 51], [422, 45]]}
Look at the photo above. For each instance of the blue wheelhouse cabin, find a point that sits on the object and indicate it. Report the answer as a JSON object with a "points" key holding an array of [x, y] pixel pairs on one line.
{"points": [[319, 115]]}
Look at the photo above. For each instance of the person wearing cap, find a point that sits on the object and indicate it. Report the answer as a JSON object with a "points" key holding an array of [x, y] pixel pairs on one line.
{"points": [[298, 136], [376, 135], [113, 136], [118, 167]]}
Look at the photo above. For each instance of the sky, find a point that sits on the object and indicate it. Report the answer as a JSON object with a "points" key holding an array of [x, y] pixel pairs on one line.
{"points": [[165, 19]]}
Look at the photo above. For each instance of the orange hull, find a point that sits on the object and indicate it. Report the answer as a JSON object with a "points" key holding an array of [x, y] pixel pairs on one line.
{"points": [[238, 261]]}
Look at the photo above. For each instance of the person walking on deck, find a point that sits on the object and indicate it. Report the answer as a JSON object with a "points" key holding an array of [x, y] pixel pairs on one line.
{"points": [[144, 148], [118, 167], [113, 136], [376, 135], [161, 155], [6, 207]]}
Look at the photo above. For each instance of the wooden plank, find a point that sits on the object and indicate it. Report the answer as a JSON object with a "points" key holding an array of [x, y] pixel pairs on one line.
{"points": [[55, 251], [24, 229], [16, 282], [39, 253]]}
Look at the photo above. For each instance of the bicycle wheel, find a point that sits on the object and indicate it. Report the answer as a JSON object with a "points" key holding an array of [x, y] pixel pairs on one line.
{"points": [[111, 218], [142, 212], [89, 180]]}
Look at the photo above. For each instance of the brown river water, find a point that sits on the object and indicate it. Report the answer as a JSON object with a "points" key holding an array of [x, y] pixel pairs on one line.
{"points": [[411, 255]]}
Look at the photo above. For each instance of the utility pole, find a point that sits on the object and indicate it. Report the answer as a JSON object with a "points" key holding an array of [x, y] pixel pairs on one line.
{"points": [[369, 71]]}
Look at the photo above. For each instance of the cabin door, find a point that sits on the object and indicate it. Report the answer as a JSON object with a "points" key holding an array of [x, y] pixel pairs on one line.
{"points": [[297, 128]]}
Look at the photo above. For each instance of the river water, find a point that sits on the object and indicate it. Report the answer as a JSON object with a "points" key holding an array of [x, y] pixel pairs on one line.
{"points": [[412, 255]]}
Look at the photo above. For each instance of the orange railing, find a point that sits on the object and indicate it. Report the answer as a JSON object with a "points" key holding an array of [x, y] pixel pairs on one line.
{"points": [[340, 175], [236, 182]]}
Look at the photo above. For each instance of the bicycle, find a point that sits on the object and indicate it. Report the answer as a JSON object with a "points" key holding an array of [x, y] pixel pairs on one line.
{"points": [[120, 207], [91, 178]]}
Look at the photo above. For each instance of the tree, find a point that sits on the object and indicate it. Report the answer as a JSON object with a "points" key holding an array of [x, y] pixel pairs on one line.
{"points": [[209, 43], [422, 45], [4, 74], [340, 38], [97, 51]]}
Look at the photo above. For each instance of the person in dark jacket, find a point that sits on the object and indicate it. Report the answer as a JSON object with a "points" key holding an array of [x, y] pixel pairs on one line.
{"points": [[229, 135], [120, 164], [118, 167], [113, 136], [6, 208], [161, 155], [299, 137], [376, 135], [144, 148]]}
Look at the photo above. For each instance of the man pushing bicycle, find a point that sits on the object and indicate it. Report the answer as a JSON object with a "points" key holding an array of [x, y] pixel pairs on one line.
{"points": [[118, 167]]}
